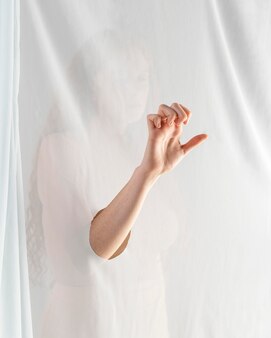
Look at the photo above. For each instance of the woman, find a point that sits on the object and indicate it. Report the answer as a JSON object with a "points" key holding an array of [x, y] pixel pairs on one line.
{"points": [[105, 253]]}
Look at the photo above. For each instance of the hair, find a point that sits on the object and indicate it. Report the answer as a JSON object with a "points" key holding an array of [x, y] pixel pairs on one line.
{"points": [[70, 112]]}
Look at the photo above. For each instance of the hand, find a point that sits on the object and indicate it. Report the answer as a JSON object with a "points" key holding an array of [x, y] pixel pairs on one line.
{"points": [[164, 150]]}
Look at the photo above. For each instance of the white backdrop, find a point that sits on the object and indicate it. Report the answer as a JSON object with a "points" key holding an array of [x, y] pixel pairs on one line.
{"points": [[198, 260]]}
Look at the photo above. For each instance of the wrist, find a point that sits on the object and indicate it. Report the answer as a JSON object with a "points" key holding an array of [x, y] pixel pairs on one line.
{"points": [[149, 175]]}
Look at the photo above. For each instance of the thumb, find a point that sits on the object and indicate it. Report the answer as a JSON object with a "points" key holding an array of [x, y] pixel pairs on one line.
{"points": [[193, 142]]}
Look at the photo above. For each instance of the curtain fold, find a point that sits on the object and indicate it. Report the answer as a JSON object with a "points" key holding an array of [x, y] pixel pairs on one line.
{"points": [[15, 309]]}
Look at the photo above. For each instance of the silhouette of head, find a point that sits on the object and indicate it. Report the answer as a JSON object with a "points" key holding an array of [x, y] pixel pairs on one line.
{"points": [[110, 77]]}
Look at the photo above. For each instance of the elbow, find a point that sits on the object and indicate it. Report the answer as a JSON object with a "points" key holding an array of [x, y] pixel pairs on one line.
{"points": [[100, 248], [96, 248], [94, 245], [106, 253]]}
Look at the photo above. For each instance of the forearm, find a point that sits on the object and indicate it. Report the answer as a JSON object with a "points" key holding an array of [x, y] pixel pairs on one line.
{"points": [[112, 225]]}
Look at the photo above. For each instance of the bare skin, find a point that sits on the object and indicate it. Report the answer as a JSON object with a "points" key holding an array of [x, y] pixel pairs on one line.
{"points": [[111, 227]]}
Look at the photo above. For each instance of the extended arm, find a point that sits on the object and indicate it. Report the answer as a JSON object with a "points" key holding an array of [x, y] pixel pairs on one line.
{"points": [[111, 226], [110, 230]]}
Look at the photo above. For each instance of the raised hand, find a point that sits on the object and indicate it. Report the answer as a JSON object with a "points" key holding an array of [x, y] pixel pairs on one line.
{"points": [[164, 150]]}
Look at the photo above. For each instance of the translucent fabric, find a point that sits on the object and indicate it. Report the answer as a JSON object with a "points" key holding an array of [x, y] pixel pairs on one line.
{"points": [[15, 304], [196, 263]]}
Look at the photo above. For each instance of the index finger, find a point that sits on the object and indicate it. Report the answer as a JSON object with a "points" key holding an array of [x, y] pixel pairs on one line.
{"points": [[188, 112]]}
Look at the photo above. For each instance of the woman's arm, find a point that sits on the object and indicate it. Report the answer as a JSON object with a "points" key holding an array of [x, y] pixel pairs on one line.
{"points": [[110, 230]]}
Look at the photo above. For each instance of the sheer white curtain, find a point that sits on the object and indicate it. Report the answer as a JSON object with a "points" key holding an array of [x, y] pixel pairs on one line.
{"points": [[15, 314], [197, 264]]}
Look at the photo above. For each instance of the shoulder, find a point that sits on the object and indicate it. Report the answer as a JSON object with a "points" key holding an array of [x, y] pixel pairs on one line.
{"points": [[60, 141], [61, 152], [61, 146]]}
